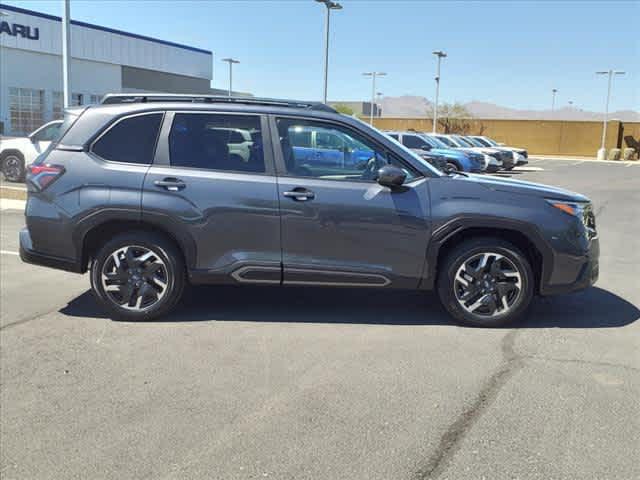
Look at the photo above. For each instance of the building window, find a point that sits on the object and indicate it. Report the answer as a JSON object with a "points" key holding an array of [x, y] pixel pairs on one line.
{"points": [[76, 99], [94, 99], [26, 108], [56, 109]]}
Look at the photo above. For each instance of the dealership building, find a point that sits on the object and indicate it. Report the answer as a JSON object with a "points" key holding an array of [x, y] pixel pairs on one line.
{"points": [[103, 60]]}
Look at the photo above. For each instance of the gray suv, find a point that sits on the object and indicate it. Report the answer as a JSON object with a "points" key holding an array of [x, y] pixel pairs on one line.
{"points": [[148, 194]]}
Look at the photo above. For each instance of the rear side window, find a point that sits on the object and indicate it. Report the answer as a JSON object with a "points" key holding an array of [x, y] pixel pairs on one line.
{"points": [[214, 141], [131, 140]]}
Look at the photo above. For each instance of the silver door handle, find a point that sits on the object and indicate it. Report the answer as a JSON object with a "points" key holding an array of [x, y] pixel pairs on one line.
{"points": [[300, 195]]}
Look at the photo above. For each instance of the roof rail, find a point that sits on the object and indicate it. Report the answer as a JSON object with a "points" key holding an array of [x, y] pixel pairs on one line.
{"points": [[113, 98]]}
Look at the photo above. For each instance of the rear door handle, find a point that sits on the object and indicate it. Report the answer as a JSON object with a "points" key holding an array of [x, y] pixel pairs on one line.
{"points": [[300, 194], [171, 184]]}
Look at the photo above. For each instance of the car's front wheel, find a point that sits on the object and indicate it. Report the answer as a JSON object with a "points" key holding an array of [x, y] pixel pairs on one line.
{"points": [[138, 276], [486, 282], [13, 167]]}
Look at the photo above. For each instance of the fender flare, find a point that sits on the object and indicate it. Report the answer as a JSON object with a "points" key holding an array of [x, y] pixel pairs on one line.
{"points": [[459, 224]]}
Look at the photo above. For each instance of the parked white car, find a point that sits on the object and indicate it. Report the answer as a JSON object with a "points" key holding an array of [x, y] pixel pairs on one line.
{"points": [[18, 152], [238, 140], [520, 155]]}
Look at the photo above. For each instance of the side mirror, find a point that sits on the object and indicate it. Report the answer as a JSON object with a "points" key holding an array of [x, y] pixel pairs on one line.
{"points": [[426, 147], [390, 176]]}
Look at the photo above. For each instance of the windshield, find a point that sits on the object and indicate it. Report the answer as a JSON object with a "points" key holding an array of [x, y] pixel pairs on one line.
{"points": [[447, 141], [482, 141], [461, 141], [433, 141], [492, 143], [474, 141]]}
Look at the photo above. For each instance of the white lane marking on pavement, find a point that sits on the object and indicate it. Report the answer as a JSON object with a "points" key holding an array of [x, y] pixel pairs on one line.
{"points": [[9, 187], [578, 162], [9, 204], [8, 252], [529, 169]]}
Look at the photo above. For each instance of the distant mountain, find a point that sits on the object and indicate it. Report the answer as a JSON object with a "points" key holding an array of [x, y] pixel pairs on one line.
{"points": [[415, 106]]}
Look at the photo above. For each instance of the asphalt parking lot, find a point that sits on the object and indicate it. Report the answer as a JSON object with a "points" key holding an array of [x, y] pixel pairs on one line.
{"points": [[328, 384]]}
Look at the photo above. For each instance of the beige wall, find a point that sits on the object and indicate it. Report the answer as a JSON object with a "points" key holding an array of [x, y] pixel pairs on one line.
{"points": [[542, 137]]}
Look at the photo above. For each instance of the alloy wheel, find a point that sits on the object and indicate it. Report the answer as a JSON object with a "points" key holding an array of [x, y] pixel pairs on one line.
{"points": [[12, 168], [134, 277], [487, 284]]}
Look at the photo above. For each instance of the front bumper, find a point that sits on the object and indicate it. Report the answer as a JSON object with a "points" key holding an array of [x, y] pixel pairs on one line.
{"points": [[29, 255], [584, 271]]}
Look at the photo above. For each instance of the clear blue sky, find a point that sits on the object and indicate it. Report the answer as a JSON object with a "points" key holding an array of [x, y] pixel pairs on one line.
{"points": [[509, 53]]}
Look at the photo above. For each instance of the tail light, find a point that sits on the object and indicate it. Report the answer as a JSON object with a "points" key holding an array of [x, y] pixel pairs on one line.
{"points": [[43, 175]]}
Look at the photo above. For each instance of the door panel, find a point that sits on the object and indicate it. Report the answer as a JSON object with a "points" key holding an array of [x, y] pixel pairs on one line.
{"points": [[339, 226], [354, 233], [231, 218]]}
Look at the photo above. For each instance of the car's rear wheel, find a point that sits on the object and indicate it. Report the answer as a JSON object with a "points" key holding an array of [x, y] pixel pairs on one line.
{"points": [[486, 282], [138, 276], [13, 167]]}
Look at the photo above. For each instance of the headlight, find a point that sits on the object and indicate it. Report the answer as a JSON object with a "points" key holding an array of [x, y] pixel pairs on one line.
{"points": [[581, 210]]}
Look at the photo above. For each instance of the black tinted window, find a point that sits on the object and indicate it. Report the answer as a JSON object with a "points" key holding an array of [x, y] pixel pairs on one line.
{"points": [[412, 141], [132, 140], [216, 142]]}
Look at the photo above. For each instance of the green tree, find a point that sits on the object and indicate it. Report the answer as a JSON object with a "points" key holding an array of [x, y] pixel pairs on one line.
{"points": [[344, 109]]}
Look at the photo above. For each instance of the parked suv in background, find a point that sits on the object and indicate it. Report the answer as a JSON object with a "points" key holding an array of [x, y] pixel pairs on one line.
{"points": [[140, 192], [454, 160], [520, 155], [18, 152], [464, 142]]}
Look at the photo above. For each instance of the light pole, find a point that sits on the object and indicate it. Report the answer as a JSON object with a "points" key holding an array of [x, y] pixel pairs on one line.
{"points": [[611, 73], [373, 76], [330, 6], [66, 52], [553, 101], [440, 54], [230, 61], [378, 101]]}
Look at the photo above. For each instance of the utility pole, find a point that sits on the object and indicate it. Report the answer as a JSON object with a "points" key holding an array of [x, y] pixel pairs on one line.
{"points": [[553, 101], [330, 6], [373, 76], [610, 73], [230, 61], [66, 52], [440, 54]]}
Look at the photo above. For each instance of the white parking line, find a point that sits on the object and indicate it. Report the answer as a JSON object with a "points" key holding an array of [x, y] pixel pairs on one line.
{"points": [[8, 252], [9, 204], [11, 187]]}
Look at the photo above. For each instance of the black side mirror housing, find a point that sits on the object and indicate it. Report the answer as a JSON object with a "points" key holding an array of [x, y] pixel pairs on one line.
{"points": [[392, 177], [426, 147]]}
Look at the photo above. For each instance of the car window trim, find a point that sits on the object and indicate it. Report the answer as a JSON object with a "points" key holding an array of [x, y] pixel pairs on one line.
{"points": [[116, 122], [164, 158], [281, 168]]}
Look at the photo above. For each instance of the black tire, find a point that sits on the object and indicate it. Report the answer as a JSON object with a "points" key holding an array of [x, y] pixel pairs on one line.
{"points": [[13, 168], [164, 251], [452, 167], [470, 249]]}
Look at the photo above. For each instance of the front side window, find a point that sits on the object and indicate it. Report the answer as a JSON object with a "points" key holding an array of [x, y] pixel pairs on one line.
{"points": [[337, 153], [214, 141], [131, 140]]}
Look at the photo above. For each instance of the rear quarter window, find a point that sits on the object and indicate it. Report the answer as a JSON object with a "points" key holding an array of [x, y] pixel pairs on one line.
{"points": [[130, 140]]}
